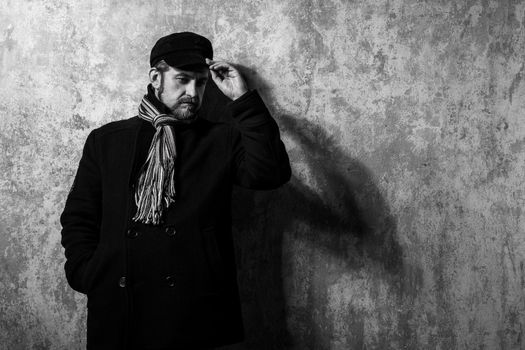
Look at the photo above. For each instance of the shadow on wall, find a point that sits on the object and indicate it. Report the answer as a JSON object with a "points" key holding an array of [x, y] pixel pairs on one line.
{"points": [[340, 211]]}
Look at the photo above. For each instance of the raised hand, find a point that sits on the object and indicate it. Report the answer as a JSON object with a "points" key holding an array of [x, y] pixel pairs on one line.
{"points": [[227, 78]]}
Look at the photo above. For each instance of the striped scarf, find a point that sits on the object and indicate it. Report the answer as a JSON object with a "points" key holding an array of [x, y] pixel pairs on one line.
{"points": [[155, 190]]}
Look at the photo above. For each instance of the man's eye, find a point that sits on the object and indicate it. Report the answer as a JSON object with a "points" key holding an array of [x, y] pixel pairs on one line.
{"points": [[182, 80]]}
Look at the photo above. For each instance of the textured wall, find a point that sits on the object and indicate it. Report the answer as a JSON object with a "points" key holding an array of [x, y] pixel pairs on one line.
{"points": [[402, 227]]}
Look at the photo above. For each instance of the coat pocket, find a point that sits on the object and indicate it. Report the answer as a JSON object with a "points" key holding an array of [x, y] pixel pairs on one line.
{"points": [[93, 268]]}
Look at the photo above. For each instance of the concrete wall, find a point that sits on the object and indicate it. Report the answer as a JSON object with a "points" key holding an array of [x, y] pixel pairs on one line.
{"points": [[402, 227]]}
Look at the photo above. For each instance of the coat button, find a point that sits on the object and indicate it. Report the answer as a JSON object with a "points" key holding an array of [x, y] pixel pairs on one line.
{"points": [[171, 231], [170, 281], [131, 233], [122, 282]]}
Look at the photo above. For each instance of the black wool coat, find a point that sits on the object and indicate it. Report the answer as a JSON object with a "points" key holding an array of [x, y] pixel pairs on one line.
{"points": [[172, 285]]}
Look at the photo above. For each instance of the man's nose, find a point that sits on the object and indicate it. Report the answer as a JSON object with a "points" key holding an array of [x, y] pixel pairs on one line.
{"points": [[191, 88]]}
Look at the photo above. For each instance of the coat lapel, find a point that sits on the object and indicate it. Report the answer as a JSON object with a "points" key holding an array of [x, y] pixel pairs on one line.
{"points": [[141, 143]]}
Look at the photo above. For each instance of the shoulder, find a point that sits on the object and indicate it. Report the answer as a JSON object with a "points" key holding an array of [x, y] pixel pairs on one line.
{"points": [[129, 127], [120, 126]]}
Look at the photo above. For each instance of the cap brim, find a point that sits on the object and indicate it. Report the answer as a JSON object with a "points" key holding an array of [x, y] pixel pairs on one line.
{"points": [[180, 60]]}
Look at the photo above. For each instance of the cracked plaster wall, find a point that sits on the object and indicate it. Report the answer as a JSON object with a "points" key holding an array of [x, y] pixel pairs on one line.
{"points": [[402, 227]]}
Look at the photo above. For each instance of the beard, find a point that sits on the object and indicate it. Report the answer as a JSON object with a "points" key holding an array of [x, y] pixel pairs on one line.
{"points": [[186, 108]]}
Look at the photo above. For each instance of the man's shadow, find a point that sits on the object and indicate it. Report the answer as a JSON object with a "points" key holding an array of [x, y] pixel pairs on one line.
{"points": [[334, 204]]}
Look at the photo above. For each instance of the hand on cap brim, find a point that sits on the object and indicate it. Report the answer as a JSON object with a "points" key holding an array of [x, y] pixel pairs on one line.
{"points": [[227, 78]]}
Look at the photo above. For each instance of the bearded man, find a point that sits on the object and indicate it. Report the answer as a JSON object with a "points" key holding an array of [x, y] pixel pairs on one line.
{"points": [[147, 223]]}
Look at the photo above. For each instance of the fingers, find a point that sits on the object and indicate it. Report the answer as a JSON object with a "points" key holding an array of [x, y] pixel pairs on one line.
{"points": [[219, 66], [215, 76], [211, 63]]}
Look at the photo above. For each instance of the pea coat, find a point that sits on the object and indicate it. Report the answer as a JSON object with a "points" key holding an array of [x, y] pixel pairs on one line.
{"points": [[172, 285]]}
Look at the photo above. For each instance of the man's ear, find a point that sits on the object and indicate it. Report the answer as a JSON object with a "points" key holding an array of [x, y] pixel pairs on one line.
{"points": [[155, 78]]}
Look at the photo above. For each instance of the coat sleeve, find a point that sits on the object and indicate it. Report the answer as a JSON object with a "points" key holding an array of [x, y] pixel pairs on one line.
{"points": [[259, 157], [81, 217]]}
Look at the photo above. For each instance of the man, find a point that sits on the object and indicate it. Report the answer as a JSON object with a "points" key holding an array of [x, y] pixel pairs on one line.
{"points": [[147, 223]]}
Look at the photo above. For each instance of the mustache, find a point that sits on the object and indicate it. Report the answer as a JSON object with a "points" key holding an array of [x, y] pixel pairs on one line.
{"points": [[188, 99]]}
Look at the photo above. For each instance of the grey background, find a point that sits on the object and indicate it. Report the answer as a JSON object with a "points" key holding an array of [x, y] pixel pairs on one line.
{"points": [[404, 121]]}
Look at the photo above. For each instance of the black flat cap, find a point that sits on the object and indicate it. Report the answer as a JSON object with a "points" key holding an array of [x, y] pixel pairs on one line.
{"points": [[181, 49]]}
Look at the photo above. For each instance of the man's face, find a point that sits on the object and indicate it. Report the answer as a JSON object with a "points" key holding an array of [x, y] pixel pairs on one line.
{"points": [[182, 90]]}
